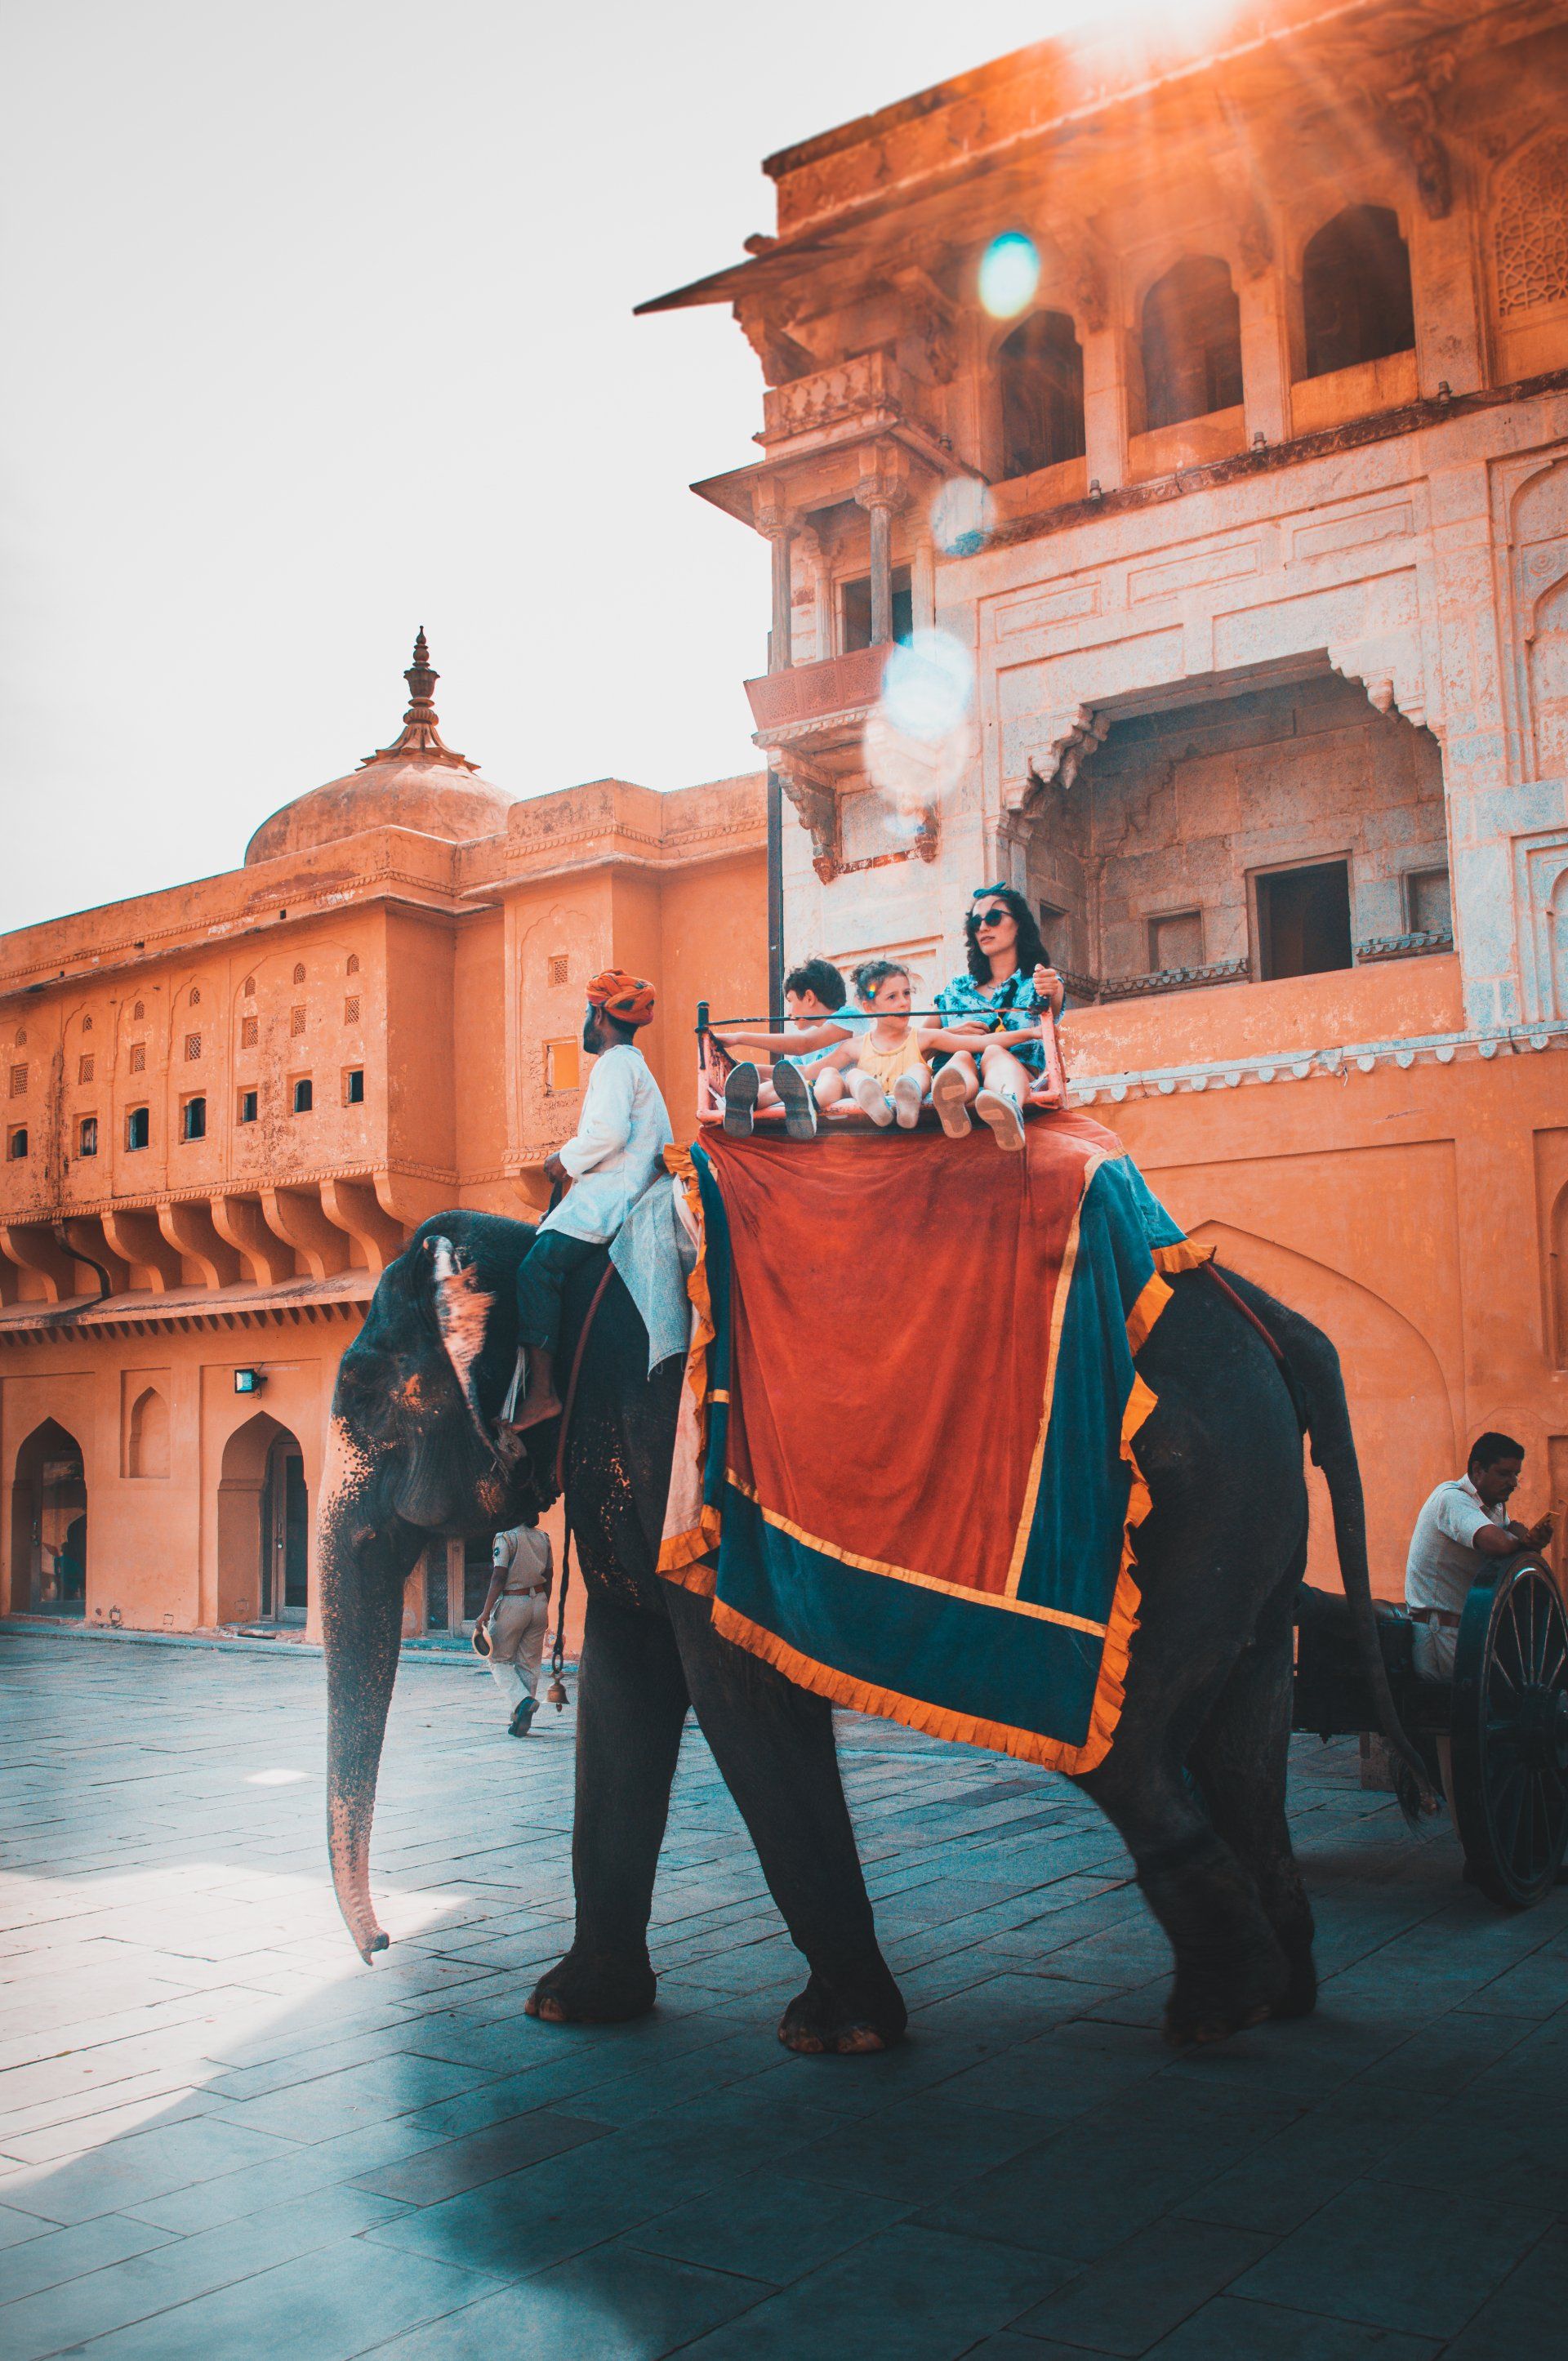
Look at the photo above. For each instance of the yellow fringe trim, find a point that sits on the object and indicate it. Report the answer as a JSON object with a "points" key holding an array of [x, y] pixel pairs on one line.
{"points": [[1183, 1256], [679, 1553]]}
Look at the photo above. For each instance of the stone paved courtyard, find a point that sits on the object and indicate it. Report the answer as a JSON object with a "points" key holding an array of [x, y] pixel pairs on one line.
{"points": [[221, 2135]]}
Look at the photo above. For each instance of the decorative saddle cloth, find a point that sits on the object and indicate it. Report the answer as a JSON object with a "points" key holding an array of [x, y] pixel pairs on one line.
{"points": [[905, 1473]]}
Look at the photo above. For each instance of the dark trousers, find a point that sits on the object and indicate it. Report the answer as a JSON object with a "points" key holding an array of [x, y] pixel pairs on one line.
{"points": [[541, 1281]]}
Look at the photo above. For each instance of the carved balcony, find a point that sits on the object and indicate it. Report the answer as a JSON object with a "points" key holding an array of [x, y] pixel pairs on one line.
{"points": [[816, 702], [869, 391]]}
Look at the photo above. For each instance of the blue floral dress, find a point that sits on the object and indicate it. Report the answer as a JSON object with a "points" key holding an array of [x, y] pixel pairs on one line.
{"points": [[1006, 1005]]}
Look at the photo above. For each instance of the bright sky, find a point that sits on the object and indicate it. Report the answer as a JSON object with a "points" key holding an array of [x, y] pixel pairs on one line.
{"points": [[320, 328]]}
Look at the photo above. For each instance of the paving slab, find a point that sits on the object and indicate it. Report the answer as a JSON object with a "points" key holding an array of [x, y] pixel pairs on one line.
{"points": [[221, 2134]]}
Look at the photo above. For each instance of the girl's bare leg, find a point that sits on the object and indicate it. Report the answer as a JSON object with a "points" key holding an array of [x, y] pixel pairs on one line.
{"points": [[1001, 1071], [830, 1087]]}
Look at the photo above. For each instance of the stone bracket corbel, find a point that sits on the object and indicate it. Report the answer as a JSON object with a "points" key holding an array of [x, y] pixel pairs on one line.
{"points": [[1089, 275], [816, 799], [1068, 740], [934, 321], [1393, 684], [1408, 123]]}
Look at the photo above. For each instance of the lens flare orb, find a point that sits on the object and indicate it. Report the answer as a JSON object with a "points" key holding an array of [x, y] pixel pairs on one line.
{"points": [[919, 741], [928, 685], [1009, 274], [963, 517]]}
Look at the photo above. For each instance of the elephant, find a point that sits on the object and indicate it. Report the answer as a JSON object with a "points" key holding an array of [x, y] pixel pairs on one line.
{"points": [[1195, 1783]]}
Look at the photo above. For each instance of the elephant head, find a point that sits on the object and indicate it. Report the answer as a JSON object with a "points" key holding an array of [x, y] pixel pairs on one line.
{"points": [[412, 1457]]}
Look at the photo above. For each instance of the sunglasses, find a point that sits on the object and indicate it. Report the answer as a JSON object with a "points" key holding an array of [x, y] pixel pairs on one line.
{"points": [[993, 917]]}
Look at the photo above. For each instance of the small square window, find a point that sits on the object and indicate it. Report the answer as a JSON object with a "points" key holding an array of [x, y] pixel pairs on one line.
{"points": [[248, 1106], [193, 1046], [19, 1081], [1175, 942], [560, 968], [562, 1065], [84, 1069], [87, 1135], [296, 1022], [193, 1119], [138, 1127], [305, 1096], [354, 1086], [249, 1032], [351, 1009], [16, 1146], [855, 610], [1429, 902], [138, 1057], [1303, 921]]}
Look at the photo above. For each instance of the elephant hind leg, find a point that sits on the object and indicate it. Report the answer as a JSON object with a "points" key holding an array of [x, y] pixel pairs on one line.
{"points": [[1230, 1970], [1240, 1761]]}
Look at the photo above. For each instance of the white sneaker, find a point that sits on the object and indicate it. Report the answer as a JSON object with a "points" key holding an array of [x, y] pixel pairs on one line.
{"points": [[907, 1093], [948, 1098], [871, 1099], [1004, 1117]]}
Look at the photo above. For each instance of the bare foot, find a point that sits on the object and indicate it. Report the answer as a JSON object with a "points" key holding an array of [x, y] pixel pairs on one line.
{"points": [[534, 1409]]}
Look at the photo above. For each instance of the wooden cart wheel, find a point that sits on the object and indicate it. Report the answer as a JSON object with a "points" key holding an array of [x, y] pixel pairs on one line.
{"points": [[1509, 1733]]}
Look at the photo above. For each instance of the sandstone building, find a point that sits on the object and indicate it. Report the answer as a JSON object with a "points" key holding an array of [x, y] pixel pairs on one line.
{"points": [[1213, 410], [227, 1104], [1239, 546]]}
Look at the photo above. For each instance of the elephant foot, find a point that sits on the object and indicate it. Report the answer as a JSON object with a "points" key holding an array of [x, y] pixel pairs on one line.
{"points": [[851, 2014], [1208, 2005], [1299, 1997], [594, 1988]]}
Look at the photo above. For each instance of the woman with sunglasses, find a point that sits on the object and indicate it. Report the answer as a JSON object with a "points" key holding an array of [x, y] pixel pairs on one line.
{"points": [[990, 1051]]}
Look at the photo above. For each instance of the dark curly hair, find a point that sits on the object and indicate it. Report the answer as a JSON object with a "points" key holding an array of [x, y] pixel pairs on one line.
{"points": [[1032, 952]]}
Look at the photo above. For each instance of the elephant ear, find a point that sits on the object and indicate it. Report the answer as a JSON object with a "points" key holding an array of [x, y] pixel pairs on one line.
{"points": [[463, 1308]]}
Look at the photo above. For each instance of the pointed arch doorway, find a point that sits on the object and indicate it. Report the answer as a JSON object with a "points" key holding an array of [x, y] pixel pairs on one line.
{"points": [[49, 1535], [264, 1523]]}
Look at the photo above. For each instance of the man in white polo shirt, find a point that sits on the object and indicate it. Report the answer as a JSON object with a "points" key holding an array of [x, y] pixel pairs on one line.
{"points": [[1464, 1523]]}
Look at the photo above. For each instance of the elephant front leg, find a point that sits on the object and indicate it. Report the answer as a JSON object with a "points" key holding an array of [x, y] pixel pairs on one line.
{"points": [[774, 1745], [631, 1701]]}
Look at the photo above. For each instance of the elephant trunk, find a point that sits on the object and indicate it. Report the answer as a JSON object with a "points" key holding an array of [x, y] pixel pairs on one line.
{"points": [[362, 1607]]}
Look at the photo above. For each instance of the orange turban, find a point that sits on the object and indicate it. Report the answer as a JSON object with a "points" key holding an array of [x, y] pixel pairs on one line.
{"points": [[625, 997]]}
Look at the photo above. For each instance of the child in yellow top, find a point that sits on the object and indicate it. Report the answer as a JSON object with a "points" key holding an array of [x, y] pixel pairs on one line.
{"points": [[883, 1068]]}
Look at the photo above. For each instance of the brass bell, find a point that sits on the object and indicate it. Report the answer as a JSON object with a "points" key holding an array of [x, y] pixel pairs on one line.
{"points": [[556, 1694]]}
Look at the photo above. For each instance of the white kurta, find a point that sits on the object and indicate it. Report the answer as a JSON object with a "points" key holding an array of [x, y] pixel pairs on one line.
{"points": [[1443, 1564], [617, 1148]]}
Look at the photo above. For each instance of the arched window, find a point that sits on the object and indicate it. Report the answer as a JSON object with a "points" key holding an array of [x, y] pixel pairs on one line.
{"points": [[1192, 341], [1039, 372], [1355, 291], [147, 1441]]}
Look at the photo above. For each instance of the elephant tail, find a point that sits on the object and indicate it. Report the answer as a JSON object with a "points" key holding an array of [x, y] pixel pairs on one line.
{"points": [[1317, 1384]]}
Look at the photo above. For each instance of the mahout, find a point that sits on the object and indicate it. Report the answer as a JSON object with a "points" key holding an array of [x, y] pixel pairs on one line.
{"points": [[1194, 1781]]}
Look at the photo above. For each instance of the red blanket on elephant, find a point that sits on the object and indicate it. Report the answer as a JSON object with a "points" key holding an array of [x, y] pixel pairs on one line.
{"points": [[913, 1388]]}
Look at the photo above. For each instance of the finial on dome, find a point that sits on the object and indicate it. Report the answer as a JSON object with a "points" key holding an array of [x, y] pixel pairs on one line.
{"points": [[420, 740]]}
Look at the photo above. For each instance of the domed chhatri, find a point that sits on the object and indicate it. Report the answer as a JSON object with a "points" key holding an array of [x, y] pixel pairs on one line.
{"points": [[415, 783]]}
